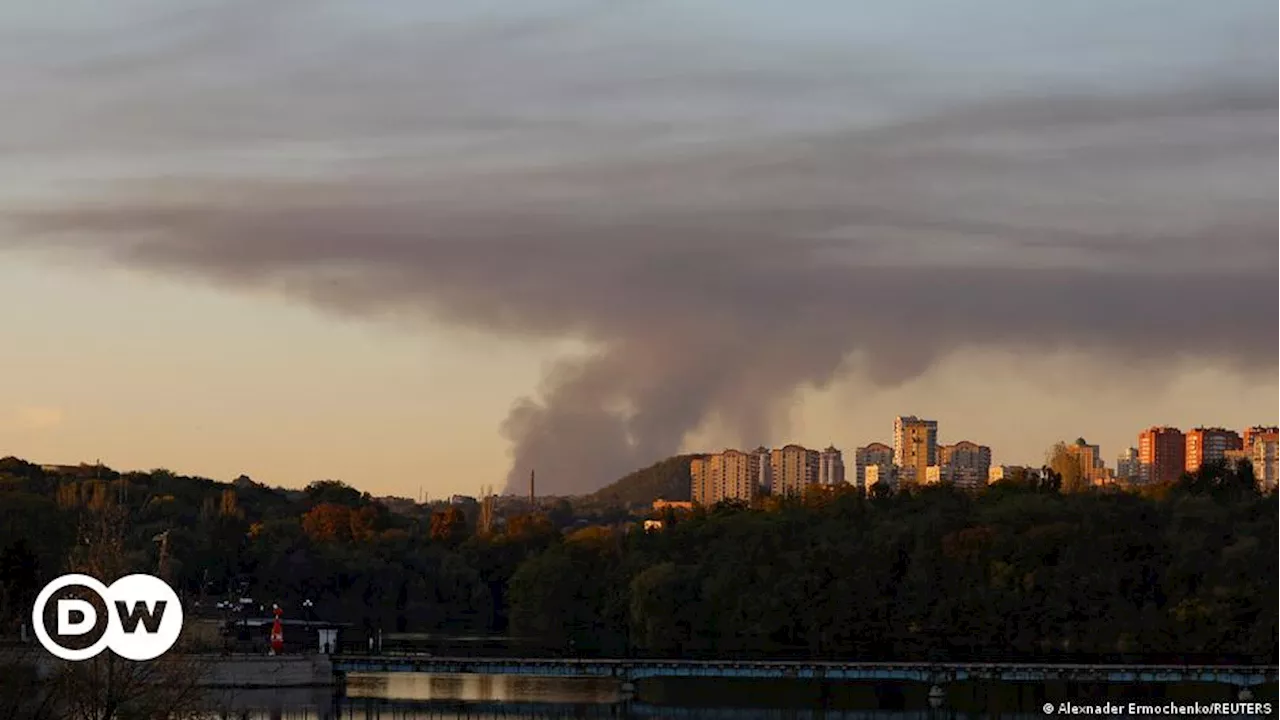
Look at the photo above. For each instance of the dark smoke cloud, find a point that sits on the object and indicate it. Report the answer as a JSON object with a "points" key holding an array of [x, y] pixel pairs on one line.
{"points": [[713, 269]]}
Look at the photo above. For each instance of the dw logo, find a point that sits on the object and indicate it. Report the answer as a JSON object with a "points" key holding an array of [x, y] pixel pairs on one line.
{"points": [[139, 617]]}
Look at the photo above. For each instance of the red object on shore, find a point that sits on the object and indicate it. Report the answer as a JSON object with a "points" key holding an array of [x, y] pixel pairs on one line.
{"points": [[277, 633]]}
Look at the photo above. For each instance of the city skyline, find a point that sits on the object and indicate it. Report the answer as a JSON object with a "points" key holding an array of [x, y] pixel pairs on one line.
{"points": [[431, 246], [1109, 461], [731, 472]]}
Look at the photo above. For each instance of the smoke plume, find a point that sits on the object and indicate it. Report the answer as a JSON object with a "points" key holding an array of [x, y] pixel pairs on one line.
{"points": [[723, 224]]}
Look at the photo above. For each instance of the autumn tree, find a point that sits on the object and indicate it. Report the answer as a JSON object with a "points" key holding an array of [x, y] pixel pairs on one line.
{"points": [[448, 526], [1066, 463], [328, 522], [366, 522]]}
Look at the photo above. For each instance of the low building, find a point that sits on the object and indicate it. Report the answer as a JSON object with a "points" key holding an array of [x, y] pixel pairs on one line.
{"points": [[1015, 473], [661, 505], [300, 636], [965, 478], [1233, 458]]}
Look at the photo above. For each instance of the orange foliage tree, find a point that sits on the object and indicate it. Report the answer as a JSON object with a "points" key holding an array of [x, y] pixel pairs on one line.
{"points": [[448, 526], [327, 521]]}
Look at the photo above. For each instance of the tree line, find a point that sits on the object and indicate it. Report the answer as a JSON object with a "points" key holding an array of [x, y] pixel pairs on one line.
{"points": [[1024, 570]]}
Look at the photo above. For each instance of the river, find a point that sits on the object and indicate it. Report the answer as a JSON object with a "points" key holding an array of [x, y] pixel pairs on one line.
{"points": [[407, 696]]}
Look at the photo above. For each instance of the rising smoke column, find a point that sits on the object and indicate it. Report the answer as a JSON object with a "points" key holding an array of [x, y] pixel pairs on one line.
{"points": [[696, 216]]}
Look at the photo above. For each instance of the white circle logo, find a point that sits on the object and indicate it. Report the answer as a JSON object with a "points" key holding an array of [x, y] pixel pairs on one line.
{"points": [[138, 617]]}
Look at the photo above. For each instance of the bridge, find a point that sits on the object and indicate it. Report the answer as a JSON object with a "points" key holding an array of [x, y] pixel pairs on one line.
{"points": [[629, 671]]}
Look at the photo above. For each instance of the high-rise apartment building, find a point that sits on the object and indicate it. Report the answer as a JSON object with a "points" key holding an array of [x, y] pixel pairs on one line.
{"points": [[729, 475], [830, 467], [1249, 433], [1089, 457], [915, 447], [965, 454], [1162, 455], [1128, 466], [794, 469], [964, 464], [1210, 445], [875, 454], [764, 480], [1263, 453]]}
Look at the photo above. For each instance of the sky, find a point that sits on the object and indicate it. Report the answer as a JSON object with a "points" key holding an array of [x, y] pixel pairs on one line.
{"points": [[428, 247]]}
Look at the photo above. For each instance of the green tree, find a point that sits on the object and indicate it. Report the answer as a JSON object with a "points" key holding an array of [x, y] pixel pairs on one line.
{"points": [[664, 608]]}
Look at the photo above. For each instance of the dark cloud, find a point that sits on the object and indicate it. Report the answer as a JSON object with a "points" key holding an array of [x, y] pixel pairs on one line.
{"points": [[714, 272]]}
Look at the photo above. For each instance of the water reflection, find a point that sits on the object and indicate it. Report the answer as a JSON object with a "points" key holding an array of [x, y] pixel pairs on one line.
{"points": [[356, 710], [483, 688], [407, 696]]}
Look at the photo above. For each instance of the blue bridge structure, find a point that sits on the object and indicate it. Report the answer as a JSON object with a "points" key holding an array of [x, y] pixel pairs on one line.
{"points": [[628, 671]]}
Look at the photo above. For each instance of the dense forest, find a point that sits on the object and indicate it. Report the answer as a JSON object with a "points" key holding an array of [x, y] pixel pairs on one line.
{"points": [[1021, 570]]}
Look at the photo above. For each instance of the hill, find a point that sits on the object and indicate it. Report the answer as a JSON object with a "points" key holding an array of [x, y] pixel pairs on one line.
{"points": [[668, 479]]}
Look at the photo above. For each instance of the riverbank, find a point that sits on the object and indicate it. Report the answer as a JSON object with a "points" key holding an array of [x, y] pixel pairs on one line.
{"points": [[219, 671]]}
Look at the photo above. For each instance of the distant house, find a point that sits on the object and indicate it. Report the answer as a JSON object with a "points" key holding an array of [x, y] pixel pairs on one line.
{"points": [[60, 469], [660, 505], [300, 636], [652, 525]]}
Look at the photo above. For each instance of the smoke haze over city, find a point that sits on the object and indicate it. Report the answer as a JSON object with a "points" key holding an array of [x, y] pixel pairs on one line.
{"points": [[718, 209]]}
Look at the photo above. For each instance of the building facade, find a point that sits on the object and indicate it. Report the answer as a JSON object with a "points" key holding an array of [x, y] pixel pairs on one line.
{"points": [[1250, 432], [764, 481], [876, 474], [1210, 445], [1263, 452], [1128, 466], [1012, 473], [794, 468], [915, 447], [830, 467], [728, 475], [965, 454], [875, 454], [1089, 457], [964, 464], [1162, 455], [1235, 457]]}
